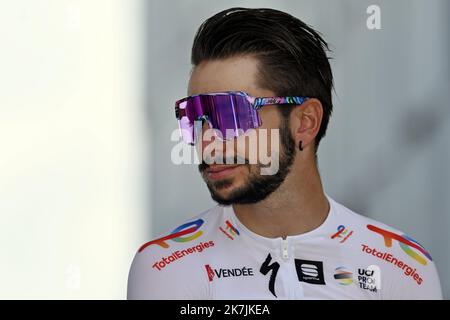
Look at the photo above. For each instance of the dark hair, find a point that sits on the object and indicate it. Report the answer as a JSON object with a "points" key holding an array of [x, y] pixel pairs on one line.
{"points": [[291, 55]]}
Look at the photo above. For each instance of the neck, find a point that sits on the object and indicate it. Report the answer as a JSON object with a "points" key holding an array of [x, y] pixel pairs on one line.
{"points": [[298, 206]]}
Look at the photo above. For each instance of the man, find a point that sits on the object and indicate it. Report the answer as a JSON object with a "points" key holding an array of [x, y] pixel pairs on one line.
{"points": [[276, 235]]}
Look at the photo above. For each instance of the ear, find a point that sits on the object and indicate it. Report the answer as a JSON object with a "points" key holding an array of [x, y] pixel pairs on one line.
{"points": [[306, 120]]}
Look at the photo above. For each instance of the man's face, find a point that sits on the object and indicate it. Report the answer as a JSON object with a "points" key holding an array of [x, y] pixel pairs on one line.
{"points": [[242, 183]]}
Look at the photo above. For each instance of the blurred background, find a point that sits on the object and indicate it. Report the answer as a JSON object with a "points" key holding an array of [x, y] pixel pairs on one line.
{"points": [[87, 90]]}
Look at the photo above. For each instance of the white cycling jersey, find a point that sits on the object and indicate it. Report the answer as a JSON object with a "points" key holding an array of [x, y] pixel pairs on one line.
{"points": [[214, 256]]}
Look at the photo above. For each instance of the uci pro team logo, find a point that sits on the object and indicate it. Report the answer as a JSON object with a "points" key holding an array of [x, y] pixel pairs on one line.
{"points": [[184, 233], [406, 243]]}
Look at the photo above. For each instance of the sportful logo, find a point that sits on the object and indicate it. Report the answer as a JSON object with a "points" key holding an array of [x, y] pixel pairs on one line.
{"points": [[310, 271], [225, 273], [307, 271], [184, 233], [230, 231], [342, 233], [405, 242]]}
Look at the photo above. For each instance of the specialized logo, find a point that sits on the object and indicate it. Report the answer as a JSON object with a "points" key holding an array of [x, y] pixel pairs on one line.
{"points": [[179, 254], [307, 271], [310, 271], [229, 230], [406, 243], [388, 257], [266, 267], [342, 233], [225, 273], [343, 276], [369, 279], [184, 233]]}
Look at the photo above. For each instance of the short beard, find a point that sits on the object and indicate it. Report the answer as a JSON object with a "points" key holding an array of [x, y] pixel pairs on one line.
{"points": [[257, 187]]}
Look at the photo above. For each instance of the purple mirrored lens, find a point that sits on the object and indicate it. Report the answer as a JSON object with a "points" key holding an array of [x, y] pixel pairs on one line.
{"points": [[229, 113], [185, 124]]}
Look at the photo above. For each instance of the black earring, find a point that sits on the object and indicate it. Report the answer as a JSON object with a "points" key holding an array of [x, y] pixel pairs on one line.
{"points": [[300, 146]]}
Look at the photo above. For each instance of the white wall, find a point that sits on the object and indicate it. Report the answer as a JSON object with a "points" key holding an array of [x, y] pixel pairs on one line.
{"points": [[73, 147]]}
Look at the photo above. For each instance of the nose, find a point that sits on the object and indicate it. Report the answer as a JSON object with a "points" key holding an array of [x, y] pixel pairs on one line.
{"points": [[214, 148]]}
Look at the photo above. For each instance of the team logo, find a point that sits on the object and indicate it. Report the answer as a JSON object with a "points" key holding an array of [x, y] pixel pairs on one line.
{"points": [[342, 233], [343, 276], [210, 272], [226, 273], [180, 254], [367, 278], [390, 258], [307, 271], [310, 271], [229, 230], [406, 243], [267, 267], [184, 233], [370, 279]]}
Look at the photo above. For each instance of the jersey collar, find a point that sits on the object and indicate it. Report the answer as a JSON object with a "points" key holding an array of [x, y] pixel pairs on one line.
{"points": [[324, 230]]}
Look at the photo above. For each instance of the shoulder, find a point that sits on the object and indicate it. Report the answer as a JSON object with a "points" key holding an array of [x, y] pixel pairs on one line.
{"points": [[407, 269], [169, 266]]}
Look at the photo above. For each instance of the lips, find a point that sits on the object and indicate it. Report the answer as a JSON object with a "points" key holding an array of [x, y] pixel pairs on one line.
{"points": [[220, 171], [218, 168]]}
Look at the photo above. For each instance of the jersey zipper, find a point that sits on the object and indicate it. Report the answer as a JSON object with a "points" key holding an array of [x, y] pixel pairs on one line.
{"points": [[285, 248]]}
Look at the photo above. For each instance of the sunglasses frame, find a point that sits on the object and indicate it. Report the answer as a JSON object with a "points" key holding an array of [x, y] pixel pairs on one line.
{"points": [[255, 102]]}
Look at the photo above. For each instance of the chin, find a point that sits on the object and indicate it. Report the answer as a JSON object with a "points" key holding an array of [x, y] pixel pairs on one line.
{"points": [[223, 188]]}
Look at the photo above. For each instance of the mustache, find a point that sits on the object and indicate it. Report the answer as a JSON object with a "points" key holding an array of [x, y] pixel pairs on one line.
{"points": [[221, 160]]}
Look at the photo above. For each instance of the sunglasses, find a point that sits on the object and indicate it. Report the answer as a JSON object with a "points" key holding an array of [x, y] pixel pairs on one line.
{"points": [[231, 113]]}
